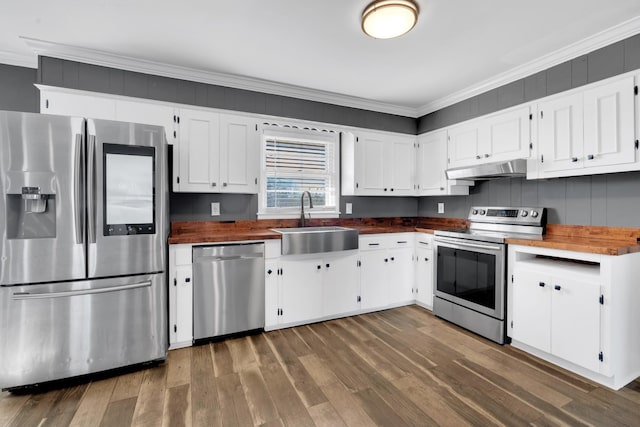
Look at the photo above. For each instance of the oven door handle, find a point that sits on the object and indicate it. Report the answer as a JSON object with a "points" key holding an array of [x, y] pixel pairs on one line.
{"points": [[460, 243]]}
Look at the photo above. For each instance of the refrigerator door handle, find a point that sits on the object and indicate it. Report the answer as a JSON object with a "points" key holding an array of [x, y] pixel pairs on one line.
{"points": [[47, 295], [91, 203], [78, 189]]}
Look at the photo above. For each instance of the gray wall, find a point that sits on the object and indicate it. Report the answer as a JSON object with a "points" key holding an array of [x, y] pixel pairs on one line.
{"points": [[17, 92], [600, 64], [188, 207], [610, 199]]}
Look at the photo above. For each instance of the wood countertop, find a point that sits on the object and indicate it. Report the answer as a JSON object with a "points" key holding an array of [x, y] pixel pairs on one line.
{"points": [[190, 232], [590, 239]]}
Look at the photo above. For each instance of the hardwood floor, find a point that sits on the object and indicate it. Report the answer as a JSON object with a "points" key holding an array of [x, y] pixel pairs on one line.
{"points": [[392, 368]]}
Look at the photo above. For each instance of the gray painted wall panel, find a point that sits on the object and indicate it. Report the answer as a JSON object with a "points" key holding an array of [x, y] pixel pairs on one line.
{"points": [[71, 74], [606, 62], [632, 53], [116, 81], [580, 71], [17, 89], [599, 200], [94, 78], [511, 94], [559, 78], [135, 85], [578, 204], [488, 102], [535, 86]]}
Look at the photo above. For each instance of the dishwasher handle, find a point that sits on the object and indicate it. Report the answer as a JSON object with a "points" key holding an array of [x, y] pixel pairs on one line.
{"points": [[217, 258]]}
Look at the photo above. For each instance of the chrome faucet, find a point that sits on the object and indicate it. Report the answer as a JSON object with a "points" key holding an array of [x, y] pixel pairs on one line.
{"points": [[302, 206]]}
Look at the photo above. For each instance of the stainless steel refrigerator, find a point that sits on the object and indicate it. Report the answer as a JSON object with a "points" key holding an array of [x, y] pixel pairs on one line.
{"points": [[84, 223]]}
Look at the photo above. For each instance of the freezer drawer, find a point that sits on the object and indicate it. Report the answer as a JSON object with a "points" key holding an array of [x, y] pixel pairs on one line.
{"points": [[228, 289], [60, 330]]}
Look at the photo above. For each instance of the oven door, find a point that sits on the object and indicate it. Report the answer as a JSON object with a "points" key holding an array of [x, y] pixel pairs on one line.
{"points": [[471, 274]]}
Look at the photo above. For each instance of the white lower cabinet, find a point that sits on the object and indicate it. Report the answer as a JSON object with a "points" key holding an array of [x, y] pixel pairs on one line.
{"points": [[558, 312], [423, 283], [180, 296], [300, 289], [386, 270], [575, 309]]}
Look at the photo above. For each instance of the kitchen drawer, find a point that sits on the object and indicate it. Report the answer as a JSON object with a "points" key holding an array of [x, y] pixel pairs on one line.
{"points": [[400, 240], [424, 240], [373, 242]]}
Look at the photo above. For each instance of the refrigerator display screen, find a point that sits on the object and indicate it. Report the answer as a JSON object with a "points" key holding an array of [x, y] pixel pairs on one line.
{"points": [[129, 190]]}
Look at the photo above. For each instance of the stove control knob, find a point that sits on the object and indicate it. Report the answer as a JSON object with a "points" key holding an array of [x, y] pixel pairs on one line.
{"points": [[475, 211], [482, 212], [524, 213], [534, 214]]}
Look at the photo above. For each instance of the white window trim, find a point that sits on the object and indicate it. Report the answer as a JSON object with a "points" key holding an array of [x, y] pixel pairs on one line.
{"points": [[306, 133]]}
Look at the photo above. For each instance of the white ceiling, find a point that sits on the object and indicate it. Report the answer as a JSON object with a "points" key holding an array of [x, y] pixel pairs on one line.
{"points": [[316, 47]]}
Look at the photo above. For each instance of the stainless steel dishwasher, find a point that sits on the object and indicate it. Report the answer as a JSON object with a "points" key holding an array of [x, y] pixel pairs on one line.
{"points": [[228, 289]]}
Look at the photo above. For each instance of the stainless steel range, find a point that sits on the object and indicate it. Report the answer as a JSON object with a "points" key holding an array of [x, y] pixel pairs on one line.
{"points": [[471, 269]]}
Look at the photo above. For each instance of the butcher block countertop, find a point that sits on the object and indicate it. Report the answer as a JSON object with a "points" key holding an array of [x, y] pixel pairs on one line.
{"points": [[591, 239], [214, 231]]}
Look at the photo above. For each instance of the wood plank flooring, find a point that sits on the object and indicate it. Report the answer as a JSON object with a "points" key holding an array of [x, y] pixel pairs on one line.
{"points": [[398, 367]]}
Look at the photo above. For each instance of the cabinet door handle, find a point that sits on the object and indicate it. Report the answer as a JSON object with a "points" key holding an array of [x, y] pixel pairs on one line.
{"points": [[224, 184], [328, 265], [557, 287], [213, 184], [386, 260], [426, 259], [486, 155], [542, 284], [269, 271], [385, 189], [393, 259], [478, 157], [392, 189], [590, 157], [574, 159], [319, 267], [374, 244]]}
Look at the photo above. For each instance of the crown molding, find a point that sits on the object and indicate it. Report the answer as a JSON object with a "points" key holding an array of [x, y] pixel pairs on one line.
{"points": [[19, 60], [584, 46], [106, 59]]}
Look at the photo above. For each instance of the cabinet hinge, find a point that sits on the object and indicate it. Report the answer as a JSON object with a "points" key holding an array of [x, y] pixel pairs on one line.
{"points": [[512, 324], [601, 357], [256, 126], [178, 179], [531, 146], [530, 116], [601, 299], [46, 103], [542, 114], [635, 90], [359, 264], [256, 181], [175, 282], [175, 328], [512, 278], [448, 160], [636, 144], [359, 298], [175, 134], [541, 158]]}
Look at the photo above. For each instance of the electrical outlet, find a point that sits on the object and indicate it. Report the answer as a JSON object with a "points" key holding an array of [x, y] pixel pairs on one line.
{"points": [[349, 208], [440, 207], [215, 208]]}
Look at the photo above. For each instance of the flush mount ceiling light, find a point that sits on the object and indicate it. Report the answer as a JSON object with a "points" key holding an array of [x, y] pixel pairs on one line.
{"points": [[385, 19]]}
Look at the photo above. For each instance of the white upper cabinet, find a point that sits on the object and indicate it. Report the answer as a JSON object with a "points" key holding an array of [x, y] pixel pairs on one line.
{"points": [[587, 131], [377, 164], [76, 104], [196, 165], [239, 154], [608, 124], [431, 167], [505, 135], [217, 153]]}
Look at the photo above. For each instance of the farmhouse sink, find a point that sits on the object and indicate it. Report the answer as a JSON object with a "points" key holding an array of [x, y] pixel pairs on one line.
{"points": [[309, 240]]}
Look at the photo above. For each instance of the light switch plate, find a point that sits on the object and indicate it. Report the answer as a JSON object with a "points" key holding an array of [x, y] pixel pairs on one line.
{"points": [[215, 208], [440, 207], [349, 208]]}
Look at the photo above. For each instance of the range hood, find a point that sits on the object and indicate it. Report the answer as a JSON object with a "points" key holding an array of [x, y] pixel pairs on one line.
{"points": [[510, 169]]}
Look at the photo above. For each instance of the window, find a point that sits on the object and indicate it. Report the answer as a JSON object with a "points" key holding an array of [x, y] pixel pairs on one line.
{"points": [[294, 161]]}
